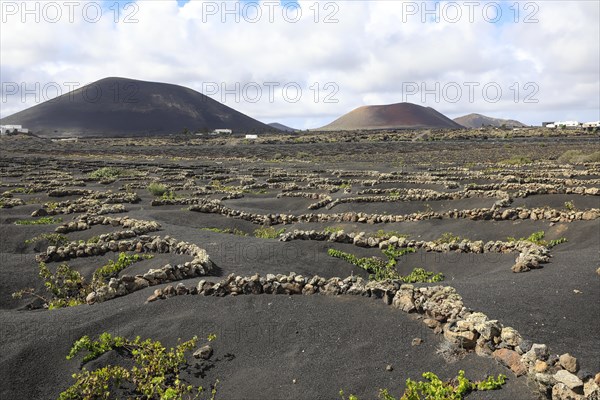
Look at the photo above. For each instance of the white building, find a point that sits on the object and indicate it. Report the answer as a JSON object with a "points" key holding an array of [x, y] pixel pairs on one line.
{"points": [[222, 131], [7, 129], [252, 137], [568, 124], [66, 140], [595, 124]]}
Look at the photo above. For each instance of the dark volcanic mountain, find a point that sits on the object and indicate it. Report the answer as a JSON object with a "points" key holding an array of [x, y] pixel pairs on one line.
{"points": [[392, 116], [282, 127], [478, 120], [127, 107]]}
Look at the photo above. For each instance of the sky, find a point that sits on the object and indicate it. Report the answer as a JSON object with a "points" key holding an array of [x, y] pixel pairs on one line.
{"points": [[305, 63]]}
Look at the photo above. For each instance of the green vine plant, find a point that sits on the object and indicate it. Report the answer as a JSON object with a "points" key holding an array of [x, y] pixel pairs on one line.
{"points": [[333, 229], [39, 221], [433, 388], [449, 237], [154, 375], [570, 205], [67, 287], [268, 232], [170, 195], [231, 231], [380, 269], [538, 238], [383, 234], [53, 239], [157, 189], [217, 185], [112, 269], [107, 173], [420, 275]]}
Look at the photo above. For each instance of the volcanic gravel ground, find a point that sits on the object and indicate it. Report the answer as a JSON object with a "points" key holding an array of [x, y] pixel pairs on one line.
{"points": [[298, 347]]}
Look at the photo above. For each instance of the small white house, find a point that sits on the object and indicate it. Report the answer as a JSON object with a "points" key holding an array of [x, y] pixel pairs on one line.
{"points": [[252, 137], [6, 129], [222, 131], [595, 124], [568, 124]]}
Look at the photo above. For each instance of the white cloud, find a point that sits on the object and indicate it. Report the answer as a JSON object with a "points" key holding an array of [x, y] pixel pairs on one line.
{"points": [[374, 50]]}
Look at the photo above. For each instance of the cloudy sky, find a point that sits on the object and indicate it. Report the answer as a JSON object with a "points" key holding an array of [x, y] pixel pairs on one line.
{"points": [[305, 63]]}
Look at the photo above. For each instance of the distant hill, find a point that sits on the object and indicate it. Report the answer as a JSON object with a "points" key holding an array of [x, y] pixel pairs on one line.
{"points": [[400, 115], [127, 107], [282, 127], [478, 120]]}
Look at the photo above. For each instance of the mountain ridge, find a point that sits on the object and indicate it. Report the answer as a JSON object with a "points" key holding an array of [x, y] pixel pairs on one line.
{"points": [[391, 116], [282, 127], [475, 120], [118, 106]]}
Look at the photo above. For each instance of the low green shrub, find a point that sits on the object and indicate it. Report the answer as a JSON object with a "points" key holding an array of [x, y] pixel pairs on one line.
{"points": [[449, 237], [112, 269], [39, 221], [169, 195], [95, 348], [577, 156], [420, 275], [53, 239], [433, 388], [268, 232], [380, 269], [106, 173], [93, 240], [383, 234], [154, 374], [157, 189], [211, 337], [217, 185], [555, 242], [230, 231], [538, 238], [569, 205], [591, 158], [67, 287], [569, 156], [374, 265], [53, 205]]}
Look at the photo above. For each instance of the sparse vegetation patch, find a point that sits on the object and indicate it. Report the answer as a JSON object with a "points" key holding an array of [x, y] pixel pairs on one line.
{"points": [[538, 238], [380, 269], [383, 234], [155, 374], [449, 237], [158, 189], [517, 161], [54, 239], [433, 388], [577, 156], [268, 232], [112, 269], [39, 221], [231, 231], [107, 173], [67, 287]]}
